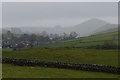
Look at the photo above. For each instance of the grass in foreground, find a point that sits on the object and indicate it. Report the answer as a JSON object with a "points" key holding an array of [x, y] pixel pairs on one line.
{"points": [[86, 56], [0, 70], [11, 71]]}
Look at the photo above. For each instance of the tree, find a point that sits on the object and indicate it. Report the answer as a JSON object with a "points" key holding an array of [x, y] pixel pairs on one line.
{"points": [[73, 35], [44, 33]]}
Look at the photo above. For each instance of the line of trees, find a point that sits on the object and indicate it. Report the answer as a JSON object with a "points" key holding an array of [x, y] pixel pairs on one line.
{"points": [[10, 40]]}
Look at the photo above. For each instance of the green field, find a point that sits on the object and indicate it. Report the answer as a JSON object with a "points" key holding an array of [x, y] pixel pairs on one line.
{"points": [[11, 71], [73, 55], [0, 70], [90, 56], [98, 39]]}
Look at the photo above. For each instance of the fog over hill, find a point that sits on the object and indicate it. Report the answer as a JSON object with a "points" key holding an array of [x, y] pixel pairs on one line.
{"points": [[106, 28], [86, 28], [84, 17]]}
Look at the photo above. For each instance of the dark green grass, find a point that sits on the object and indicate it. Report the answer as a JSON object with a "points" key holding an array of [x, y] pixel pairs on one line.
{"points": [[11, 71], [90, 56], [87, 56], [0, 70]]}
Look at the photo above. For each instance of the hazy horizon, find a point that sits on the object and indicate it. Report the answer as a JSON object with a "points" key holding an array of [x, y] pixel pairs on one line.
{"points": [[50, 14]]}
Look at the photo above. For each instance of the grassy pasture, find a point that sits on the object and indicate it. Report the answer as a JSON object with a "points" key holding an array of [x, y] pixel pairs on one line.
{"points": [[11, 71], [77, 55]]}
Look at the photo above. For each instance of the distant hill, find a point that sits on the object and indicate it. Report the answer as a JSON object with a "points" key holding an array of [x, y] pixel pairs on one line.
{"points": [[91, 26], [85, 28], [82, 29], [13, 30], [106, 28]]}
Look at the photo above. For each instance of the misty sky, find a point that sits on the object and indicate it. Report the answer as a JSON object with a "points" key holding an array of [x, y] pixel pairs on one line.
{"points": [[49, 14]]}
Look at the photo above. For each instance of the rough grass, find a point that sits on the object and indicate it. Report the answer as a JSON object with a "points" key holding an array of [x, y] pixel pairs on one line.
{"points": [[11, 71], [86, 56], [0, 70], [77, 55]]}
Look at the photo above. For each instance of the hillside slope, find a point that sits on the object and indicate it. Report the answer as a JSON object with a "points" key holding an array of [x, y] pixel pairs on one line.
{"points": [[92, 40], [106, 28]]}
